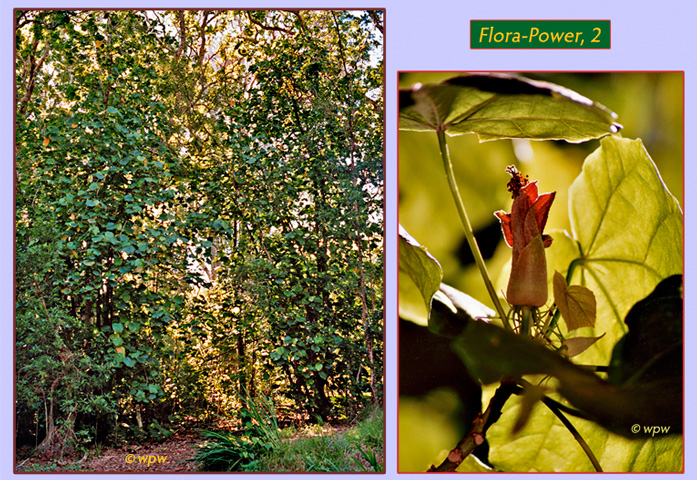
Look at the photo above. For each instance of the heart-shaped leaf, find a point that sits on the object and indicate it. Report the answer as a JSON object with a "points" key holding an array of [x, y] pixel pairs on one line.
{"points": [[576, 303], [628, 229], [498, 105]]}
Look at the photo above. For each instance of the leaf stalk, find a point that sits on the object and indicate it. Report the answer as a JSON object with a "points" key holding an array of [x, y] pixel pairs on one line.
{"points": [[467, 226]]}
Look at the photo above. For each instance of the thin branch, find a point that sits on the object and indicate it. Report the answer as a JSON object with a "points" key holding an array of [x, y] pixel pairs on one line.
{"points": [[33, 73], [376, 20], [270, 28], [182, 35], [479, 428], [341, 45], [300, 19]]}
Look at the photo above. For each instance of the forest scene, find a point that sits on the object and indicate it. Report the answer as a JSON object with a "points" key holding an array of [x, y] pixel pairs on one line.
{"points": [[199, 240], [540, 272]]}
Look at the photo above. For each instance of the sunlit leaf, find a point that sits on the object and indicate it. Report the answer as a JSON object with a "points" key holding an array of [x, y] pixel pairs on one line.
{"points": [[420, 266], [504, 106], [628, 228], [576, 303], [545, 445], [577, 345]]}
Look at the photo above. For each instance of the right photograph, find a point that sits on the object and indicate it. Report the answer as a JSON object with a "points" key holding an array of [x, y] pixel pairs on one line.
{"points": [[541, 271]]}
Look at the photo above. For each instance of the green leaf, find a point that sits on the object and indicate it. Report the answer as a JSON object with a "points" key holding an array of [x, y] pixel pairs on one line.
{"points": [[628, 229], [129, 361], [652, 350], [452, 310], [492, 354], [577, 345], [500, 105], [646, 367], [545, 445], [420, 266], [117, 327], [576, 303]]}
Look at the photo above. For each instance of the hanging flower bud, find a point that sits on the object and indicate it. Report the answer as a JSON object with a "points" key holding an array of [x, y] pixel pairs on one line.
{"points": [[523, 230]]}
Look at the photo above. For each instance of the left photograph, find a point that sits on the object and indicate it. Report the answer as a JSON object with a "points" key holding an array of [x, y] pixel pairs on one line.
{"points": [[199, 222]]}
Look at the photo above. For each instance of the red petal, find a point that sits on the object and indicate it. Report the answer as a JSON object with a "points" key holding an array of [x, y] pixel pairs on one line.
{"points": [[505, 220], [530, 192], [541, 207]]}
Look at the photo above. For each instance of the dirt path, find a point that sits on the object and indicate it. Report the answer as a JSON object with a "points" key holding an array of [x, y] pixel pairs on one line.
{"points": [[168, 456]]}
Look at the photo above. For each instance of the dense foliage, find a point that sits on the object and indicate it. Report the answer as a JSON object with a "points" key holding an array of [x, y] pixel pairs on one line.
{"points": [[198, 214]]}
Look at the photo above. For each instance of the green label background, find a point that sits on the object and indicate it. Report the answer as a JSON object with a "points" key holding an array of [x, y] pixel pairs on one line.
{"points": [[588, 28]]}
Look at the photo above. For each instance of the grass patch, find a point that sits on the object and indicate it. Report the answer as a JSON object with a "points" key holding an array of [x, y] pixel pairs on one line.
{"points": [[239, 451], [320, 449]]}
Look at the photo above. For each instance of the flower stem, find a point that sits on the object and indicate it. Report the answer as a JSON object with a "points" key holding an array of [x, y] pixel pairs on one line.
{"points": [[469, 233], [527, 316]]}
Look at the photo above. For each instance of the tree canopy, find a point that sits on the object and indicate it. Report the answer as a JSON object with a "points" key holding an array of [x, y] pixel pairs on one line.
{"points": [[199, 199]]}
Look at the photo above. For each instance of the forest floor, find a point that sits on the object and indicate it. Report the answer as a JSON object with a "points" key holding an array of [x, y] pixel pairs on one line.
{"points": [[171, 455]]}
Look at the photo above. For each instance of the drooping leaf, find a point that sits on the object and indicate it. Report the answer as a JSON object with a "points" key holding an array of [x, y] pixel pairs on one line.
{"points": [[576, 303], [420, 266], [501, 105], [577, 345], [451, 309], [531, 395], [628, 229]]}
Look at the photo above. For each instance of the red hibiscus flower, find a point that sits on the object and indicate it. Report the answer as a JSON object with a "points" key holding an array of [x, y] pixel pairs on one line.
{"points": [[522, 229]]}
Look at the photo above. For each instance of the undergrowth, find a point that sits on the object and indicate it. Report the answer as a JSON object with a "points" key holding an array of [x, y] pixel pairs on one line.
{"points": [[263, 447]]}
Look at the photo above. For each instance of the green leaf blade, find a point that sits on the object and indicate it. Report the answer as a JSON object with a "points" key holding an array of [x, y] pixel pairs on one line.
{"points": [[420, 266], [628, 227], [545, 445], [497, 106]]}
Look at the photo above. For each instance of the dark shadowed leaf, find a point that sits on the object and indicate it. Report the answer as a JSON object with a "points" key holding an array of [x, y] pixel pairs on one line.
{"points": [[498, 105], [451, 309], [645, 377]]}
